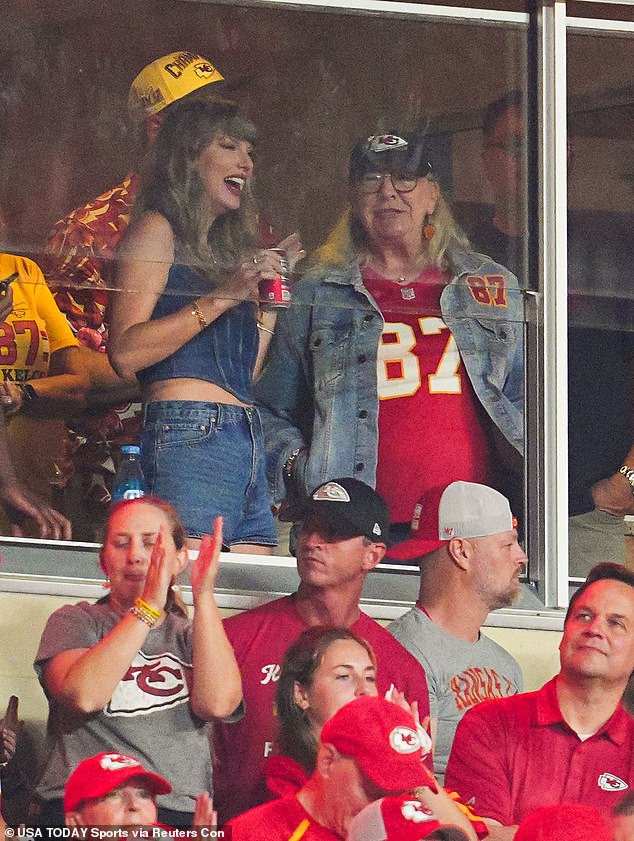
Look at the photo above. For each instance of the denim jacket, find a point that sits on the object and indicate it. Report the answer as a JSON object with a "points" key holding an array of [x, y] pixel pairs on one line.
{"points": [[319, 389]]}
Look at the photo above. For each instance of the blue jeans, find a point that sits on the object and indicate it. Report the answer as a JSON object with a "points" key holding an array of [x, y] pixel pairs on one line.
{"points": [[207, 459]]}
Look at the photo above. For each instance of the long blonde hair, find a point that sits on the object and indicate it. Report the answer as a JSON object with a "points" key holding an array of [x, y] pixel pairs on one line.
{"points": [[348, 241]]}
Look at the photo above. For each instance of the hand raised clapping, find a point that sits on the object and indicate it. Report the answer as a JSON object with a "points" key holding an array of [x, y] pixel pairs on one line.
{"points": [[205, 567], [164, 566]]}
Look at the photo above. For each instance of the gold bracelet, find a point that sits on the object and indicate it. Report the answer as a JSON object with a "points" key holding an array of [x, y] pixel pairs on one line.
{"points": [[143, 616], [199, 314], [143, 605]]}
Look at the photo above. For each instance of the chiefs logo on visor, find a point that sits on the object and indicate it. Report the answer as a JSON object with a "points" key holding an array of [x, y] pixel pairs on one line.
{"points": [[331, 492], [404, 740], [204, 69], [385, 142], [117, 761]]}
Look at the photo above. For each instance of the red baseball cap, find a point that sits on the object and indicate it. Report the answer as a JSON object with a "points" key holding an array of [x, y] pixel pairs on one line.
{"points": [[381, 737], [460, 509], [424, 529], [398, 819], [564, 822], [99, 774]]}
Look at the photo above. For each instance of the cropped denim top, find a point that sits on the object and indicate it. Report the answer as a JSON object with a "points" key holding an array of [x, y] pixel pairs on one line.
{"points": [[224, 353]]}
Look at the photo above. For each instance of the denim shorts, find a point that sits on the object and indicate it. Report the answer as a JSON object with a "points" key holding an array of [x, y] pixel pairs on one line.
{"points": [[208, 459]]}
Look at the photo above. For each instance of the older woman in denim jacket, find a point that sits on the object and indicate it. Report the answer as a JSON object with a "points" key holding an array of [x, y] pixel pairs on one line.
{"points": [[401, 361]]}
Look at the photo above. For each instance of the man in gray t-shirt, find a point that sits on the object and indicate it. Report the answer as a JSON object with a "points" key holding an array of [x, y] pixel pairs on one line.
{"points": [[471, 561]]}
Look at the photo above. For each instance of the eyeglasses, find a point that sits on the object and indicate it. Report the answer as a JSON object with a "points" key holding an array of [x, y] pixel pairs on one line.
{"points": [[372, 182]]}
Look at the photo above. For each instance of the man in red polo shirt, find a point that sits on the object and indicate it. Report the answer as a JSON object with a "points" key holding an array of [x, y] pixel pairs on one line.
{"points": [[369, 748], [572, 741]]}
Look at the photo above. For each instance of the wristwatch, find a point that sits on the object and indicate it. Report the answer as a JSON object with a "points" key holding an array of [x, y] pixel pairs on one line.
{"points": [[289, 466], [628, 472]]}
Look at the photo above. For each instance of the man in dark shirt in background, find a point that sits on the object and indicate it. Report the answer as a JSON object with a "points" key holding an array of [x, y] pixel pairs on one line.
{"points": [[600, 347]]}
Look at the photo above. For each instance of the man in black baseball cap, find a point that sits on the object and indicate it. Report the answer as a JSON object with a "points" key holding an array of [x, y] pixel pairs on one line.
{"points": [[348, 508], [343, 534]]}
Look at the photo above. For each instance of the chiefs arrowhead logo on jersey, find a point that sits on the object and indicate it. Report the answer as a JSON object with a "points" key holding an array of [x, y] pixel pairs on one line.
{"points": [[610, 782], [151, 683], [404, 740]]}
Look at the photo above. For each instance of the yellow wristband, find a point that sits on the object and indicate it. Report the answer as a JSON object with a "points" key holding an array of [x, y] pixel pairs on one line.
{"points": [[147, 608]]}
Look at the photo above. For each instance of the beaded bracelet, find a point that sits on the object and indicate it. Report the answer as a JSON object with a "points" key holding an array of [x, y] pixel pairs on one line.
{"points": [[144, 617], [143, 605], [145, 612]]}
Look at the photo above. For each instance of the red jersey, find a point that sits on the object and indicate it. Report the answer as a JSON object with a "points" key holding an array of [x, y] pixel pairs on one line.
{"points": [[429, 428], [512, 755], [284, 776], [282, 820], [260, 638]]}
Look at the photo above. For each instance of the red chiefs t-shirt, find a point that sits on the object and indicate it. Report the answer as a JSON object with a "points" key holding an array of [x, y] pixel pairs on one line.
{"points": [[429, 429], [281, 820], [260, 638]]}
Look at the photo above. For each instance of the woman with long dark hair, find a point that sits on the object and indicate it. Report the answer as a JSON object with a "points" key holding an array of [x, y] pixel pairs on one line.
{"points": [[323, 670]]}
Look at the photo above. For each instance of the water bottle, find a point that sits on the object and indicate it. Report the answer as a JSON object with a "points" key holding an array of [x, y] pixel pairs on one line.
{"points": [[129, 482]]}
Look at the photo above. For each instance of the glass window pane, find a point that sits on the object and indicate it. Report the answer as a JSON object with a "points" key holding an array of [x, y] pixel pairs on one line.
{"points": [[315, 83], [601, 312]]}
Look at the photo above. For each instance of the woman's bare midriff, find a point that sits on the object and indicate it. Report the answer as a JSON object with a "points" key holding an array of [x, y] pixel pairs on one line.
{"points": [[189, 389]]}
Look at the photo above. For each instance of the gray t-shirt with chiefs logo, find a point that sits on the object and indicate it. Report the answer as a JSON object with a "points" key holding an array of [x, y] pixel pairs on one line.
{"points": [[148, 717]]}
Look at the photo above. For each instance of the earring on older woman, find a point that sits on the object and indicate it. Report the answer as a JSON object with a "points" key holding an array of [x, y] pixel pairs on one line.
{"points": [[429, 229]]}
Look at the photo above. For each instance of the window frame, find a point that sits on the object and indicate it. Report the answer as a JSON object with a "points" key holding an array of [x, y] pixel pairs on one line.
{"points": [[546, 311]]}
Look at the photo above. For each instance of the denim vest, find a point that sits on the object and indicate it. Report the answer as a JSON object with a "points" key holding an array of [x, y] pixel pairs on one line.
{"points": [[319, 389], [224, 353]]}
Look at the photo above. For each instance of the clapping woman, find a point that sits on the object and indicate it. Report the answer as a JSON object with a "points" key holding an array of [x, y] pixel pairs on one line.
{"points": [[131, 673]]}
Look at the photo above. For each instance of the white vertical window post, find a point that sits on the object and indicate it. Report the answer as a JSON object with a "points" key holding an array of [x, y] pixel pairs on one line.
{"points": [[554, 286]]}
